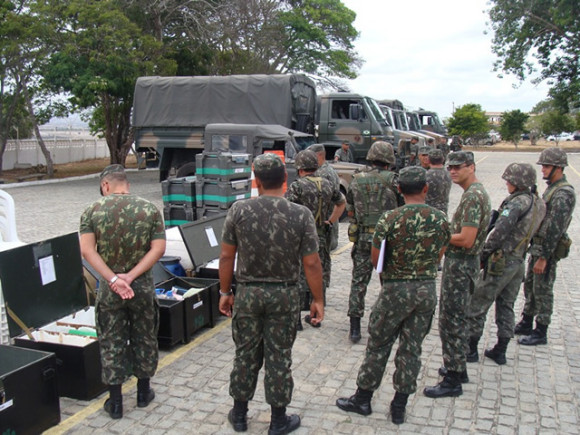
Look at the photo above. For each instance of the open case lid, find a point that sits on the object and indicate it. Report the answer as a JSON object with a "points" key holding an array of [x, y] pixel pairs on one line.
{"points": [[43, 281], [202, 239]]}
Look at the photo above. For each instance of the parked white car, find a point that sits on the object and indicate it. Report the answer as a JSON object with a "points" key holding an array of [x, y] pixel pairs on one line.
{"points": [[561, 137]]}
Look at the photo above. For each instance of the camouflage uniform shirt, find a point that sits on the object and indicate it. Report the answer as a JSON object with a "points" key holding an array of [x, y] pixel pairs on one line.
{"points": [[473, 210], [317, 194], [343, 156], [414, 236], [328, 172], [439, 182], [276, 258]]}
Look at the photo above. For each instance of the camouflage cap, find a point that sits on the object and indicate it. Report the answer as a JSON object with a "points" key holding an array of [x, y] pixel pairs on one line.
{"points": [[345, 142], [520, 175], [553, 157], [317, 148], [415, 138], [436, 153], [381, 151], [460, 157], [424, 150], [266, 162], [306, 160], [112, 169], [412, 174]]}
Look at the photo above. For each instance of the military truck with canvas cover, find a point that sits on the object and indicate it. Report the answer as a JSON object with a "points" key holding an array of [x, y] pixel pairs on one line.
{"points": [[430, 121], [170, 113], [353, 117]]}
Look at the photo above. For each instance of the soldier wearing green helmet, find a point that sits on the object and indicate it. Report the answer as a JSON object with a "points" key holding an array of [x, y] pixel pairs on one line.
{"points": [[549, 246], [370, 193], [519, 217]]}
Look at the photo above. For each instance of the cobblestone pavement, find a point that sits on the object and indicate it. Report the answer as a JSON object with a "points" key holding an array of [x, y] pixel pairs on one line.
{"points": [[537, 391]]}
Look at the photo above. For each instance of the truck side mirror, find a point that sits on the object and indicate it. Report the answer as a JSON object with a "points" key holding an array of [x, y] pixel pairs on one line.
{"points": [[355, 111]]}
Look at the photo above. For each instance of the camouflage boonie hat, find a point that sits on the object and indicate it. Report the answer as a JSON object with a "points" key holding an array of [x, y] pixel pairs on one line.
{"points": [[266, 162], [412, 174], [381, 151], [317, 148], [460, 157], [424, 150], [553, 157], [306, 160], [112, 169], [520, 175], [436, 154]]}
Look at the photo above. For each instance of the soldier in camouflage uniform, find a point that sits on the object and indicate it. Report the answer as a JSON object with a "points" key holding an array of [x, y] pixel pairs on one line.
{"points": [[439, 182], [548, 247], [325, 170], [370, 193], [460, 271], [271, 237], [122, 237], [323, 200], [519, 217], [415, 237], [344, 153], [424, 156]]}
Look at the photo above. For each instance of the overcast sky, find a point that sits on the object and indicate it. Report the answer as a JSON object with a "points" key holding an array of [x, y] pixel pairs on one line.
{"points": [[433, 54]]}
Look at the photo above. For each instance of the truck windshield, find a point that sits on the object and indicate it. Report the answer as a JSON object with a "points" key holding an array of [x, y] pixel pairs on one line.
{"points": [[414, 122], [229, 142], [376, 111]]}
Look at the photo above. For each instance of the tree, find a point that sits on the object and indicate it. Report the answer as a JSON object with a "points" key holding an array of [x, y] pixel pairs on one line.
{"points": [[99, 53], [539, 39], [555, 122], [469, 121], [512, 126]]}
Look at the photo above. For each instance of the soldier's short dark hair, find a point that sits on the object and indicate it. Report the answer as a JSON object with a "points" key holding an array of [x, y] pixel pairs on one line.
{"points": [[412, 180], [273, 178], [412, 187]]}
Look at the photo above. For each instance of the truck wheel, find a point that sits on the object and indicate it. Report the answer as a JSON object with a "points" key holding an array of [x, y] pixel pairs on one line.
{"points": [[186, 170]]}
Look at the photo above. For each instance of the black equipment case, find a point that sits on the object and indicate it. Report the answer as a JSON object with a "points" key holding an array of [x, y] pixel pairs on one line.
{"points": [[46, 298], [29, 401]]}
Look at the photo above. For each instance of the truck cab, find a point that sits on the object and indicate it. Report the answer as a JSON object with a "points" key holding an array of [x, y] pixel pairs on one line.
{"points": [[353, 117]]}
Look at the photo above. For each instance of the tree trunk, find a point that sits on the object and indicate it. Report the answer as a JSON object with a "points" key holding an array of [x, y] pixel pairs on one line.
{"points": [[41, 144]]}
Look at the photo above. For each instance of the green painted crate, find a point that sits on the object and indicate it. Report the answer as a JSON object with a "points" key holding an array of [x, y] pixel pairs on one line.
{"points": [[223, 166]]}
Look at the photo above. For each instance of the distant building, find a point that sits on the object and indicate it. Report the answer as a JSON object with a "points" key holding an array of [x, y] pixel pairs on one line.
{"points": [[494, 118]]}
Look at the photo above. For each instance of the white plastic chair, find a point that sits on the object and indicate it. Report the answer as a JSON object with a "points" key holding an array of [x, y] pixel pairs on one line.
{"points": [[7, 218]]}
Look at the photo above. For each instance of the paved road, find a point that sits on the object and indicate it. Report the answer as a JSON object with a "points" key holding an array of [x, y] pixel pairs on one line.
{"points": [[537, 391]]}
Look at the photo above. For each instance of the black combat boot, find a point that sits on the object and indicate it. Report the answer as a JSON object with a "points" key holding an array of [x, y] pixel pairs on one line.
{"points": [[398, 407], [238, 416], [114, 404], [538, 336], [524, 327], [299, 326], [281, 423], [360, 402], [145, 393], [463, 377], [450, 386], [497, 353], [354, 333], [472, 355]]}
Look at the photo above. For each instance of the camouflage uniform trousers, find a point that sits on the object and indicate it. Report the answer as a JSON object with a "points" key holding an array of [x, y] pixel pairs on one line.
{"points": [[264, 330], [403, 309], [362, 269], [133, 320], [324, 254], [457, 286], [539, 291], [503, 290]]}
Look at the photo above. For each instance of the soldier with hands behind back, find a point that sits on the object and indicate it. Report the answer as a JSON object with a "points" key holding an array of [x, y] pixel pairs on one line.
{"points": [[271, 237], [122, 237]]}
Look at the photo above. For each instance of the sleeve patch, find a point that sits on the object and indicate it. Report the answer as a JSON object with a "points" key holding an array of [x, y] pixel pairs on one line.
{"points": [[506, 212]]}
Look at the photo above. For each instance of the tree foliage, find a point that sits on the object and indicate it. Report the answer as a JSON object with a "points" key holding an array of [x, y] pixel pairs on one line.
{"points": [[513, 125], [469, 121], [555, 122], [540, 39]]}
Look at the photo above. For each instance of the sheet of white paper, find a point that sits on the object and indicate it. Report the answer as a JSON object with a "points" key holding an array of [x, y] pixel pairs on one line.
{"points": [[381, 257], [47, 272], [212, 239]]}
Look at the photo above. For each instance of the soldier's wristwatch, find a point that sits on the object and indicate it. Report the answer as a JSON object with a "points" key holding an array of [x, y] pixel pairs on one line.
{"points": [[228, 293]]}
